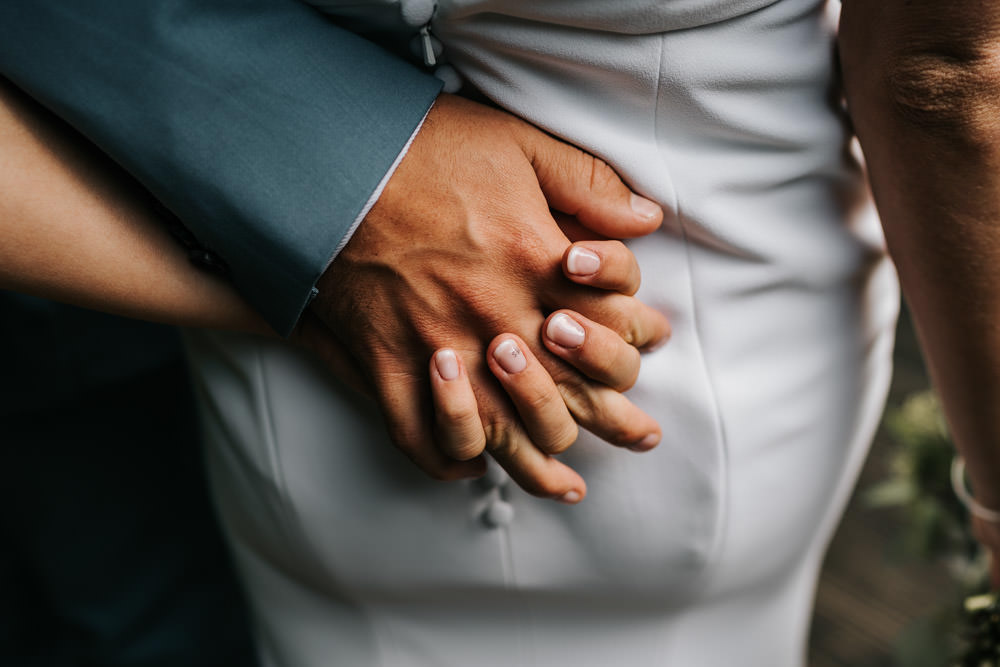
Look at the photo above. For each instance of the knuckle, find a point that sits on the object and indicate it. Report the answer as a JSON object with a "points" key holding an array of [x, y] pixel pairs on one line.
{"points": [[455, 414], [611, 425], [601, 175], [578, 397], [539, 401], [563, 439], [540, 256], [629, 331], [501, 439], [618, 315], [469, 448]]}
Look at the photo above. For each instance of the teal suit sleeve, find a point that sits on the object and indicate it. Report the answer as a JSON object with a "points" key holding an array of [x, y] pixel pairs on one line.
{"points": [[261, 125]]}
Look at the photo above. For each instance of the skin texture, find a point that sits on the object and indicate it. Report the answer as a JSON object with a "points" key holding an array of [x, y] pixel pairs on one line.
{"points": [[79, 230], [923, 88], [482, 257]]}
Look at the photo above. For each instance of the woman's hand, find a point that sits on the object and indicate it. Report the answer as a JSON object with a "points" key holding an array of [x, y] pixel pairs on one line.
{"points": [[461, 246], [598, 353]]}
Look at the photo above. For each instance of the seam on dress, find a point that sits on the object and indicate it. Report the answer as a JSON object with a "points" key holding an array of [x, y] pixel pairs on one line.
{"points": [[525, 620], [722, 516], [295, 525]]}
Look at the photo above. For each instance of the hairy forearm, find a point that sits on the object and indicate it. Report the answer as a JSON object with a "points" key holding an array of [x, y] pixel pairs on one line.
{"points": [[923, 88], [75, 228]]}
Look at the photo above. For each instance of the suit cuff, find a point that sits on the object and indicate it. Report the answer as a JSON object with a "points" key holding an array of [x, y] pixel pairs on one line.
{"points": [[371, 200]]}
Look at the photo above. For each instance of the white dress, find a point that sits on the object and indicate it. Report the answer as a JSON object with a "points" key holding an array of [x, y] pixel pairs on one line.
{"points": [[702, 552]]}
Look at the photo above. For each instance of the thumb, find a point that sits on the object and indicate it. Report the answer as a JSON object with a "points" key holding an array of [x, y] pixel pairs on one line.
{"points": [[581, 185]]}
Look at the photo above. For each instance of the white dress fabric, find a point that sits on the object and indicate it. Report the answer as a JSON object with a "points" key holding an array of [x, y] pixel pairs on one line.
{"points": [[703, 552]]}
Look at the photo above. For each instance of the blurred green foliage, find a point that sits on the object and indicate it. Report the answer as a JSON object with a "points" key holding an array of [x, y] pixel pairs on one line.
{"points": [[935, 526]]}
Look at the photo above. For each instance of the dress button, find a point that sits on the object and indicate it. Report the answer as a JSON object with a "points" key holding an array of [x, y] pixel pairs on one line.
{"points": [[451, 78], [417, 12], [498, 514], [495, 475]]}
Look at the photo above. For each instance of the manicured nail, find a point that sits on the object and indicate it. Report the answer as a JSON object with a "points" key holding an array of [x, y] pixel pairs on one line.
{"points": [[447, 364], [582, 262], [647, 443], [564, 330], [571, 497], [644, 208], [510, 357]]}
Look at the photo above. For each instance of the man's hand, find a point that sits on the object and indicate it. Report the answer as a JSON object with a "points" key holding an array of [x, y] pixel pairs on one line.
{"points": [[462, 247]]}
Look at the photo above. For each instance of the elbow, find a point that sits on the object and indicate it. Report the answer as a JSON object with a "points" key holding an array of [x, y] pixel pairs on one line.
{"points": [[952, 94]]}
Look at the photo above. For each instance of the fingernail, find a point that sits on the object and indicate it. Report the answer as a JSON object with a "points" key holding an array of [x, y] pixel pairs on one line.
{"points": [[570, 497], [564, 330], [447, 364], [647, 443], [644, 208], [510, 357], [582, 262]]}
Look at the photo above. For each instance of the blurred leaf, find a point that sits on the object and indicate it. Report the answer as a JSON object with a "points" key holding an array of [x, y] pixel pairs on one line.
{"points": [[891, 493], [926, 642]]}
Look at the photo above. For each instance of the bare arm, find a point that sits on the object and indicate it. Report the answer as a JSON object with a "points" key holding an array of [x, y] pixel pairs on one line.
{"points": [[923, 86], [75, 228]]}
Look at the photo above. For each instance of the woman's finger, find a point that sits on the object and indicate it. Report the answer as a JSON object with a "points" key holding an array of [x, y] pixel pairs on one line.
{"points": [[472, 412], [459, 430], [607, 265], [546, 419], [594, 350], [535, 471], [636, 323]]}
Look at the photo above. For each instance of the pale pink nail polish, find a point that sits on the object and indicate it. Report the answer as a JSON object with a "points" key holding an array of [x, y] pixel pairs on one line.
{"points": [[647, 443], [571, 497], [510, 357], [644, 208], [582, 262], [447, 364], [564, 330]]}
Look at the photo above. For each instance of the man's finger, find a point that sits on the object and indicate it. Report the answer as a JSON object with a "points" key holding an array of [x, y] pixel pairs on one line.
{"points": [[532, 469], [584, 186], [546, 419], [638, 325]]}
